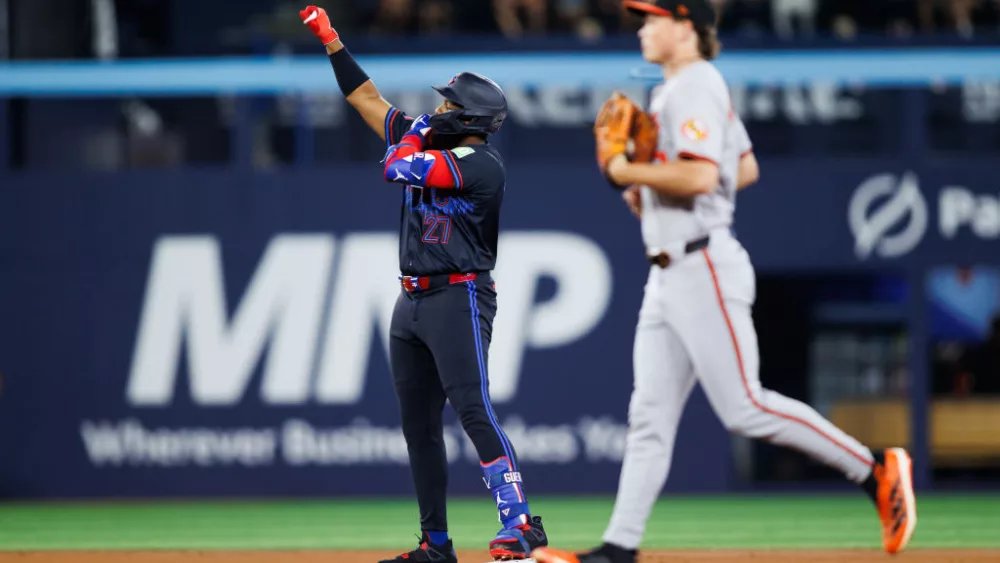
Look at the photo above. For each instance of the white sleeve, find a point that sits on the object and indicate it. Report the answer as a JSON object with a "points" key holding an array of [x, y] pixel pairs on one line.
{"points": [[699, 117]]}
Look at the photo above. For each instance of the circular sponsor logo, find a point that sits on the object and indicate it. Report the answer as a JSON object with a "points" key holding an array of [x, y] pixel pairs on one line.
{"points": [[887, 215]]}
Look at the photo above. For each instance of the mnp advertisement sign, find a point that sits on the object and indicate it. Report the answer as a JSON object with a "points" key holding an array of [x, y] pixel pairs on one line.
{"points": [[211, 333]]}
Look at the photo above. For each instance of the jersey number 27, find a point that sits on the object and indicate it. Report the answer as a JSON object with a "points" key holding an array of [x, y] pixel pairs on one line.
{"points": [[437, 227]]}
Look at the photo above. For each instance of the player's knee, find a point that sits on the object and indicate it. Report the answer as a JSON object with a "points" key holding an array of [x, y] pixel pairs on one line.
{"points": [[473, 418], [470, 407], [420, 440], [480, 428], [422, 433], [465, 397], [735, 425], [743, 420], [648, 425], [641, 419]]}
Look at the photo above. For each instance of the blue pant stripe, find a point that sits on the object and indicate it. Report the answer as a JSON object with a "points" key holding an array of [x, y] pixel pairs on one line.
{"points": [[476, 334]]}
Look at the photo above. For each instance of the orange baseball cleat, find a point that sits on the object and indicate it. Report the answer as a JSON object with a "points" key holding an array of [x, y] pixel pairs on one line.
{"points": [[549, 555], [606, 553], [897, 505]]}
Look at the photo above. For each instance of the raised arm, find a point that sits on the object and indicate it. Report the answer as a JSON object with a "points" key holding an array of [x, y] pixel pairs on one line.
{"points": [[359, 90]]}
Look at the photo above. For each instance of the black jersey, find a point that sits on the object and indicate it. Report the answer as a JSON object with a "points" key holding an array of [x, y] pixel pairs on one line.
{"points": [[450, 216]]}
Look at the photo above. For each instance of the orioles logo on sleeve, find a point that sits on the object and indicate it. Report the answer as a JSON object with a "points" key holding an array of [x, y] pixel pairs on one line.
{"points": [[695, 130]]}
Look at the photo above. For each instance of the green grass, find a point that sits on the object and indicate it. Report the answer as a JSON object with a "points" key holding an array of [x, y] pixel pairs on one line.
{"points": [[677, 522]]}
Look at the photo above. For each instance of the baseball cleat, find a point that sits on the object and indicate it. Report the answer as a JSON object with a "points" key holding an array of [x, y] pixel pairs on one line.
{"points": [[607, 553], [517, 543], [896, 502], [549, 555], [427, 552]]}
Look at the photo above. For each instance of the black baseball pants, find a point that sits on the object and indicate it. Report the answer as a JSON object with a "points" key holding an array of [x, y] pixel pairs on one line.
{"points": [[439, 349]]}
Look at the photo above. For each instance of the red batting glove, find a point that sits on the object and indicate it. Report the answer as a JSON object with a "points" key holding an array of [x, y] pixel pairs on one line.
{"points": [[319, 24]]}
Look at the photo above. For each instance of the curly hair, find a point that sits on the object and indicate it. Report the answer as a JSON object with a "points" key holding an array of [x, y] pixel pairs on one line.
{"points": [[708, 42]]}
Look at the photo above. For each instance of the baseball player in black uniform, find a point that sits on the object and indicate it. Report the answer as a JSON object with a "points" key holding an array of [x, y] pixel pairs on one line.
{"points": [[452, 184]]}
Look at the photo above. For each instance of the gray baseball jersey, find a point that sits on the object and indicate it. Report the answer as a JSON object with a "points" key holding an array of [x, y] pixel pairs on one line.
{"points": [[696, 120]]}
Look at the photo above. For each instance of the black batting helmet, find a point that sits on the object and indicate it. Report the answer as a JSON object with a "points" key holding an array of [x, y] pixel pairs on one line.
{"points": [[483, 106]]}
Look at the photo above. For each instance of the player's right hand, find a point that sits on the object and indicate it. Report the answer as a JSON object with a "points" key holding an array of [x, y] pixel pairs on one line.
{"points": [[421, 126], [633, 199], [319, 24]]}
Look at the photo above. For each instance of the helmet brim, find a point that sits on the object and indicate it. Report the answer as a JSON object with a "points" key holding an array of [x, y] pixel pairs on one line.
{"points": [[447, 92]]}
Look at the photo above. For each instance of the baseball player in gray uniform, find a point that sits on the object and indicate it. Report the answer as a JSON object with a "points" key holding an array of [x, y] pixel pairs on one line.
{"points": [[695, 323]]}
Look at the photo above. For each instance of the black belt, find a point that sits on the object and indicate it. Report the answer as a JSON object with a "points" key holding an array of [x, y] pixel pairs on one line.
{"points": [[663, 259]]}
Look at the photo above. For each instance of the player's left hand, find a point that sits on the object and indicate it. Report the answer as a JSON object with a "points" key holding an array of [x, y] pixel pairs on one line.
{"points": [[611, 131], [633, 199], [622, 132]]}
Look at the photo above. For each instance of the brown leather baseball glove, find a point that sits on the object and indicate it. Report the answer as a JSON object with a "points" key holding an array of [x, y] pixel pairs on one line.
{"points": [[622, 127]]}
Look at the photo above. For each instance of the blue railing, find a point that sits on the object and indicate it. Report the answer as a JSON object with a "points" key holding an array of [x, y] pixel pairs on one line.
{"points": [[275, 75], [913, 69]]}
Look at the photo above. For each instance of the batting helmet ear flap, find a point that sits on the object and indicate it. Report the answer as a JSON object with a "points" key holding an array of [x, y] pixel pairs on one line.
{"points": [[449, 123]]}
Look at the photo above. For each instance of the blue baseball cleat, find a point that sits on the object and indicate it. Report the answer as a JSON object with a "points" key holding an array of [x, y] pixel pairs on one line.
{"points": [[518, 542]]}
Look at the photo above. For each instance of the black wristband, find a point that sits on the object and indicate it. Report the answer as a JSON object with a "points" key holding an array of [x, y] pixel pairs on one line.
{"points": [[349, 74]]}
